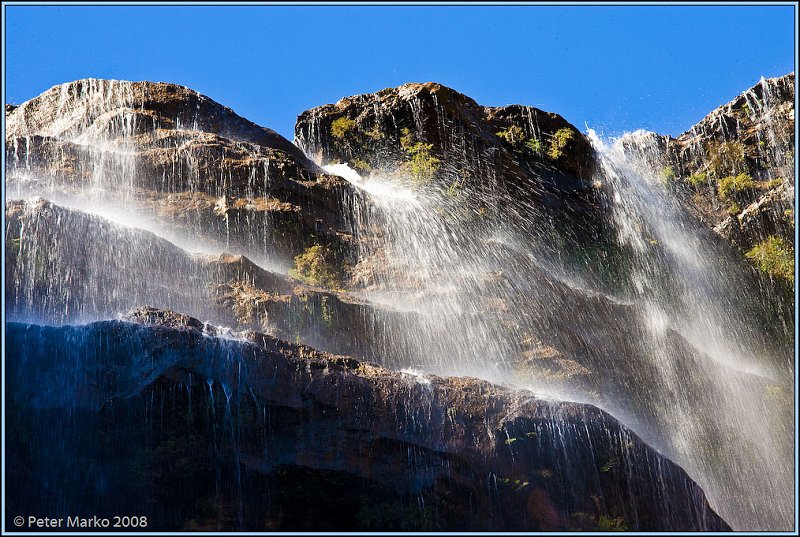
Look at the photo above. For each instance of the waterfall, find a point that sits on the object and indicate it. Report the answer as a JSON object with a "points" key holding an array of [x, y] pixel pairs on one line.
{"points": [[720, 411], [709, 388]]}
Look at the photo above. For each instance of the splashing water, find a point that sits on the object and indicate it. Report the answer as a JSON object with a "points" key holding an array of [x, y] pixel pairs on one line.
{"points": [[717, 415], [418, 253]]}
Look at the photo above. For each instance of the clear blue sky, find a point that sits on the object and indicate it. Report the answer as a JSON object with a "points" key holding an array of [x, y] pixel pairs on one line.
{"points": [[616, 68]]}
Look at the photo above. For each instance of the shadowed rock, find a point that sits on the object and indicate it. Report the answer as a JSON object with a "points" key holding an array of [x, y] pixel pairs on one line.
{"points": [[256, 433]]}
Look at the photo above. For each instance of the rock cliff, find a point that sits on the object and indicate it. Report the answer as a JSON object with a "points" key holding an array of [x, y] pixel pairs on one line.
{"points": [[198, 431], [498, 161], [735, 171], [177, 156]]}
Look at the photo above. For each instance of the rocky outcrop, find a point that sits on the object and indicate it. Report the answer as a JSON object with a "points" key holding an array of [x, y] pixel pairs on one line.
{"points": [[180, 157], [197, 431], [439, 135], [139, 113]]}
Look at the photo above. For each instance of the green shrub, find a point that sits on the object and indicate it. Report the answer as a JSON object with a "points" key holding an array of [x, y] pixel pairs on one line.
{"points": [[697, 179], [422, 165], [535, 145], [734, 184], [774, 257], [725, 158], [513, 135], [315, 266], [611, 524], [558, 143], [667, 173], [341, 126]]}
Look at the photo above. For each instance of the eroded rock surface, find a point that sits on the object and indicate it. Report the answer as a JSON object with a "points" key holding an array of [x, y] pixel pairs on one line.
{"points": [[735, 168], [512, 153], [179, 156]]}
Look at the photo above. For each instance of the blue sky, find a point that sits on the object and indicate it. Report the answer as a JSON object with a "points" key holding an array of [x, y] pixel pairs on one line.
{"points": [[661, 68]]}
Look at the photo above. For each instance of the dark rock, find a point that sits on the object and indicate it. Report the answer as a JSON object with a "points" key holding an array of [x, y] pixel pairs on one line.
{"points": [[201, 432]]}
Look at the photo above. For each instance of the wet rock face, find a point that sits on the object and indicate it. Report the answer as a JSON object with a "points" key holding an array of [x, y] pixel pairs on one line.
{"points": [[735, 168], [110, 109], [255, 433], [178, 155], [529, 154], [64, 267]]}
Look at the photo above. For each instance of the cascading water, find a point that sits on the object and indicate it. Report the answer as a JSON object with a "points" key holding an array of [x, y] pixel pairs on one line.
{"points": [[98, 149], [468, 280], [415, 257], [718, 411]]}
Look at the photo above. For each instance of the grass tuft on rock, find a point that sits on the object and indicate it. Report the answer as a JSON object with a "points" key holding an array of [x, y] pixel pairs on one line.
{"points": [[697, 179], [535, 146], [774, 257], [734, 184], [558, 143], [316, 266]]}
